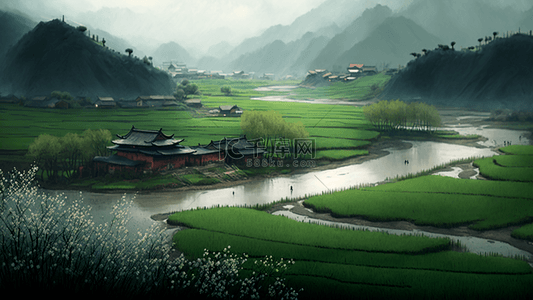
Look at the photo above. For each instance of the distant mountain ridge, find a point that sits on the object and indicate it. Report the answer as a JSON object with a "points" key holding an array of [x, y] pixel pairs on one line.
{"points": [[390, 44], [14, 26], [172, 51], [56, 56], [498, 76]]}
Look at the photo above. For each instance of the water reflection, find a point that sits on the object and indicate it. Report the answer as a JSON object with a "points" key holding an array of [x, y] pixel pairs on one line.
{"points": [[495, 136], [472, 244], [421, 156]]}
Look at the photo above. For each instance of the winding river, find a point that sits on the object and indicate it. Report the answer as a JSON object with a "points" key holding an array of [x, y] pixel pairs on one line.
{"points": [[422, 155]]}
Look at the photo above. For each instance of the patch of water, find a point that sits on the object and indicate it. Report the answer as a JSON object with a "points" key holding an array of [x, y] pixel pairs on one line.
{"points": [[495, 136], [276, 88], [472, 244], [455, 173]]}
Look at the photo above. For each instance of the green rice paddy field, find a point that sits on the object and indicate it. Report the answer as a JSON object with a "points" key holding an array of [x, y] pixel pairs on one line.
{"points": [[340, 263], [334, 127]]}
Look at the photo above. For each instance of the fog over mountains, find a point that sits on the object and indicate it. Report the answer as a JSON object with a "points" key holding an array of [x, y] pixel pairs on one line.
{"points": [[326, 34], [55, 56], [497, 76]]}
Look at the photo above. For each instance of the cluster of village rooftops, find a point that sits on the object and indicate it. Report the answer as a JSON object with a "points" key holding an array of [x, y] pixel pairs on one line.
{"points": [[153, 101], [179, 71], [154, 151]]}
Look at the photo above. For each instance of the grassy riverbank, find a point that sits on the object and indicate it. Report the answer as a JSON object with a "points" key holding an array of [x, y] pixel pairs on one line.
{"points": [[336, 262]]}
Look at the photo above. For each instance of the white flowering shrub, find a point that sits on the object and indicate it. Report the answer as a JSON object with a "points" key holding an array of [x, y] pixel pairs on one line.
{"points": [[51, 247]]}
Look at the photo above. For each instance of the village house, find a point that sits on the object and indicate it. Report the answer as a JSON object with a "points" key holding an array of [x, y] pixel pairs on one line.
{"points": [[267, 76], [227, 110], [45, 102], [237, 150], [156, 101], [151, 151], [9, 99], [147, 151], [105, 102], [370, 70], [355, 69], [197, 103]]}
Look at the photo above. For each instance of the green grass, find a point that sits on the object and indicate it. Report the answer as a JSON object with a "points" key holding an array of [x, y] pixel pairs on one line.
{"points": [[334, 127], [489, 169], [110, 183], [355, 90], [339, 154], [518, 149], [514, 160], [443, 184], [264, 226], [439, 209], [329, 262], [525, 232]]}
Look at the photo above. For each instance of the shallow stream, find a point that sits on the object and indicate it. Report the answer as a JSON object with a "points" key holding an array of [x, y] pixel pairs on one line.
{"points": [[423, 155]]}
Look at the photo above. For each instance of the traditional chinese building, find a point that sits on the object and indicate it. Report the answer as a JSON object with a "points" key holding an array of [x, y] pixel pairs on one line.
{"points": [[237, 150], [151, 151]]}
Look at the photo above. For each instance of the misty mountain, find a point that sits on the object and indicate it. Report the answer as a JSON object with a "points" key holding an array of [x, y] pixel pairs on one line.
{"points": [[172, 51], [328, 19], [277, 57], [354, 33], [219, 50], [300, 67], [56, 56], [113, 42], [14, 26], [390, 43], [461, 21], [526, 22], [498, 76]]}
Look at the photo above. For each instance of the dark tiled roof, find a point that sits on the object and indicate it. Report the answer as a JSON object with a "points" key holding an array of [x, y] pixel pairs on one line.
{"points": [[200, 150], [118, 160], [146, 138]]}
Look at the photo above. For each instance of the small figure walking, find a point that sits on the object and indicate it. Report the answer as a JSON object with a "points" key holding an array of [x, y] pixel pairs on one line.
{"points": [[291, 188], [233, 193]]}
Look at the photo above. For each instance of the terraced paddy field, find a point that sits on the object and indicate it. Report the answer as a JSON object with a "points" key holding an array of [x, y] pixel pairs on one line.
{"points": [[336, 262], [334, 127]]}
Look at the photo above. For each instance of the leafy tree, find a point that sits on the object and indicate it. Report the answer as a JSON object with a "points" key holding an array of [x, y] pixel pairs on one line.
{"points": [[45, 152], [480, 40], [226, 90], [453, 45], [81, 28], [270, 126], [397, 115], [61, 156], [190, 89], [179, 94], [62, 95], [96, 142], [146, 60], [184, 89], [129, 51]]}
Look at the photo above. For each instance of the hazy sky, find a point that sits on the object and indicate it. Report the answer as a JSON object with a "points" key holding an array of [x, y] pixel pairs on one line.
{"points": [[193, 23]]}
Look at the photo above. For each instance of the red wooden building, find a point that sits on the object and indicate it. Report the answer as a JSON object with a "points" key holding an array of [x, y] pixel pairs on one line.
{"points": [[151, 151]]}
